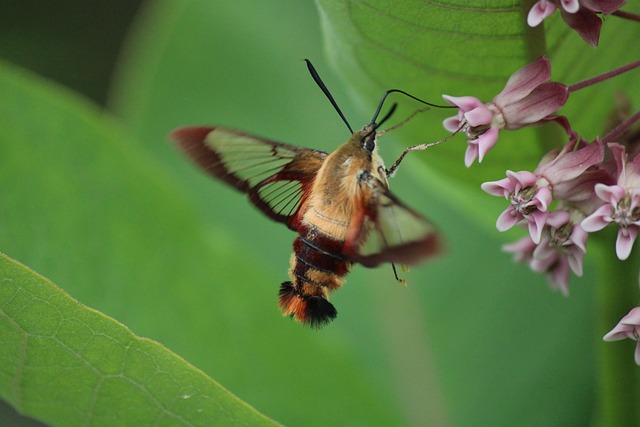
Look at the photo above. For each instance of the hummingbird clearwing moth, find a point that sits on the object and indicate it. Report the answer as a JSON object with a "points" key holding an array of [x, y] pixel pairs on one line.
{"points": [[339, 203]]}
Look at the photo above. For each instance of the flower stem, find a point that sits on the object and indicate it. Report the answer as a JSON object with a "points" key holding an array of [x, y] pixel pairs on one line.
{"points": [[604, 76], [616, 294], [627, 15], [621, 128]]}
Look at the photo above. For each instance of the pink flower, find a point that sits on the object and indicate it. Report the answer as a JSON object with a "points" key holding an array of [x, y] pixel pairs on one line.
{"points": [[528, 201], [628, 327], [527, 98], [562, 247], [622, 202], [568, 175], [574, 171], [560, 250], [580, 15]]}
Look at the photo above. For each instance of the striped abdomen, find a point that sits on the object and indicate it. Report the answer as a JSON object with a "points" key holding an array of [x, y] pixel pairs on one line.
{"points": [[317, 268]]}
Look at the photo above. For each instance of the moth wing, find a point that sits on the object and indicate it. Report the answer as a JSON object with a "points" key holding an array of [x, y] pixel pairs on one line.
{"points": [[387, 230], [276, 176]]}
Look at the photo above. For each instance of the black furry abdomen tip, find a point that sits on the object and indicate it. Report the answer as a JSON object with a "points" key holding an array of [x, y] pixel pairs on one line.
{"points": [[312, 311]]}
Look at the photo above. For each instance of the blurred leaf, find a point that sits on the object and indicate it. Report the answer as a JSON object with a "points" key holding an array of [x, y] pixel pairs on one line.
{"points": [[73, 42], [67, 364]]}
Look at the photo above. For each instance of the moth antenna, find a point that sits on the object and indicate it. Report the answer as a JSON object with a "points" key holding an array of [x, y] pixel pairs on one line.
{"points": [[325, 90], [381, 103], [388, 115]]}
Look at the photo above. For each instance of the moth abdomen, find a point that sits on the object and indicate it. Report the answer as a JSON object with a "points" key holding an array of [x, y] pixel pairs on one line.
{"points": [[317, 269], [314, 311]]}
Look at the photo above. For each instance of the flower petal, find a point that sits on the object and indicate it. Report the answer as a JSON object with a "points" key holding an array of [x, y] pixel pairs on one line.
{"points": [[586, 23], [544, 100], [524, 81], [632, 318], [472, 152], [543, 198], [522, 249], [452, 124], [624, 242], [539, 12], [619, 153], [486, 141], [501, 188], [597, 220], [618, 333], [523, 178], [627, 327], [571, 164], [581, 189], [465, 103], [544, 250], [605, 7], [634, 197], [508, 219], [479, 116], [575, 262], [571, 6], [558, 218], [611, 194], [632, 172], [536, 225], [579, 237]]}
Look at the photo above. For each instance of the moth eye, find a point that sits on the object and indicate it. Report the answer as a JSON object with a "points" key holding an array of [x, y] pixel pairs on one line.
{"points": [[369, 145]]}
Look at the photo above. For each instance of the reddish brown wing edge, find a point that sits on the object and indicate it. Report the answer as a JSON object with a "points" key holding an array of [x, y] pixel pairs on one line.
{"points": [[303, 167], [367, 221]]}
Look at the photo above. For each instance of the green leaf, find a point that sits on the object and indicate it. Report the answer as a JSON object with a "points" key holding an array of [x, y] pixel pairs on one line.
{"points": [[68, 364], [66, 210]]}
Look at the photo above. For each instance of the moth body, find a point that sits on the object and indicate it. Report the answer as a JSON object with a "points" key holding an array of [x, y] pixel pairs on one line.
{"points": [[339, 204], [317, 264]]}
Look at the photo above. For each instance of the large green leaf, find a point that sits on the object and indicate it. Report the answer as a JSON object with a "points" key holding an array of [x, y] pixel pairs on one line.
{"points": [[473, 332], [67, 364]]}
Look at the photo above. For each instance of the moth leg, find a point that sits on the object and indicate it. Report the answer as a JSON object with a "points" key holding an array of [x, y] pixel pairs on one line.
{"points": [[418, 147], [403, 282], [402, 123]]}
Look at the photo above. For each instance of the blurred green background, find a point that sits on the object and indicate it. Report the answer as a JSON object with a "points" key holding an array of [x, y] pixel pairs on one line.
{"points": [[133, 230]]}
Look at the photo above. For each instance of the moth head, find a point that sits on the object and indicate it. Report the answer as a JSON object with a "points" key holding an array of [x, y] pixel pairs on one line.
{"points": [[368, 137], [369, 134]]}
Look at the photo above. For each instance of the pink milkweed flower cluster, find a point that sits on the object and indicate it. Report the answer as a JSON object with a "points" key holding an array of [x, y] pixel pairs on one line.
{"points": [[580, 15], [592, 189], [557, 241], [574, 191], [561, 249], [527, 98]]}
